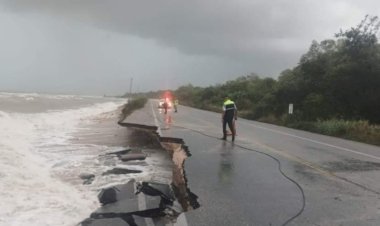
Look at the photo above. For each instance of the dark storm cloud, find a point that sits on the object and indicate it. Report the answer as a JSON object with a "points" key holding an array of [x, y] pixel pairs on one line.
{"points": [[270, 35], [96, 46]]}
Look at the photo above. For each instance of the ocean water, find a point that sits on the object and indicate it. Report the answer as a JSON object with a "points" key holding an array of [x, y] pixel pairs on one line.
{"points": [[39, 163]]}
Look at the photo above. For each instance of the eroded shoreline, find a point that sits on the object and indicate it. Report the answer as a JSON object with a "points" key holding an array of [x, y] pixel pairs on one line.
{"points": [[149, 201]]}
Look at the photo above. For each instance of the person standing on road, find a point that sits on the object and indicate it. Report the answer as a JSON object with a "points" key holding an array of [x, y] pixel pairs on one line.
{"points": [[175, 105], [228, 116], [165, 105]]}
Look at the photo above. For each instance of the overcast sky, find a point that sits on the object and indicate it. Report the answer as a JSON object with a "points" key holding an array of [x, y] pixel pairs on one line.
{"points": [[97, 46]]}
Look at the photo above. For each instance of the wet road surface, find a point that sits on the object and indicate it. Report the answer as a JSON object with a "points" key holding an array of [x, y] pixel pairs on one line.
{"points": [[270, 175], [273, 175]]}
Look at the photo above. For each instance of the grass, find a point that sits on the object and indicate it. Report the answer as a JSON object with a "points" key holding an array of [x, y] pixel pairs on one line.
{"points": [[361, 130], [132, 105]]}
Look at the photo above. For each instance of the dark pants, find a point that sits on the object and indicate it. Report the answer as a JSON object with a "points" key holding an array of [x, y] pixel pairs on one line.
{"points": [[228, 121]]}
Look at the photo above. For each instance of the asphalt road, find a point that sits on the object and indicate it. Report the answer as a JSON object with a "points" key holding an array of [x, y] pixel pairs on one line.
{"points": [[273, 175]]}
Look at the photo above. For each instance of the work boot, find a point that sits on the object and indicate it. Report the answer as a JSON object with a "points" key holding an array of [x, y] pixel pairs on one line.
{"points": [[223, 138], [233, 137]]}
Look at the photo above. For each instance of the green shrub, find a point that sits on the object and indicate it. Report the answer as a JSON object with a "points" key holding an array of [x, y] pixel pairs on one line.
{"points": [[361, 130], [247, 114], [365, 132], [333, 127], [132, 105], [270, 119]]}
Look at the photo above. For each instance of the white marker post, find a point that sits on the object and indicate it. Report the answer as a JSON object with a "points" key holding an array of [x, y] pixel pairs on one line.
{"points": [[290, 109]]}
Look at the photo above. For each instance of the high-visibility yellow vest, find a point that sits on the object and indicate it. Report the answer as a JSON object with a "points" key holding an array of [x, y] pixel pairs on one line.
{"points": [[228, 105]]}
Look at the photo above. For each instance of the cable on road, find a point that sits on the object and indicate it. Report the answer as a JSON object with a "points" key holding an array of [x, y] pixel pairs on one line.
{"points": [[279, 168]]}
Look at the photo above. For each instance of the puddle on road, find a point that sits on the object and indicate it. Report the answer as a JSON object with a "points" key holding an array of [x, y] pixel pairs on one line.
{"points": [[305, 171], [353, 165]]}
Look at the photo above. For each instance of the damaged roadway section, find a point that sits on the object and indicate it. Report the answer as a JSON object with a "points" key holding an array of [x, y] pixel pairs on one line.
{"points": [[252, 181], [145, 202]]}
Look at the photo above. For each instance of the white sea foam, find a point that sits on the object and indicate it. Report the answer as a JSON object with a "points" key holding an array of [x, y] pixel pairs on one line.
{"points": [[32, 146], [33, 96], [23, 95]]}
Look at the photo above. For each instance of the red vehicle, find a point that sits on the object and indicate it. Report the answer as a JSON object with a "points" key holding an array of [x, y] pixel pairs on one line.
{"points": [[166, 97], [162, 101]]}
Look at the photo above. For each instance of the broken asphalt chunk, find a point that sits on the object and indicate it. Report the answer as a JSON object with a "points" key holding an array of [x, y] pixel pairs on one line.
{"points": [[121, 152], [156, 189], [132, 156], [107, 195], [120, 171]]}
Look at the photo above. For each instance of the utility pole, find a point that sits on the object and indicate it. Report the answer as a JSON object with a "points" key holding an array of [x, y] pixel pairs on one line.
{"points": [[130, 87]]}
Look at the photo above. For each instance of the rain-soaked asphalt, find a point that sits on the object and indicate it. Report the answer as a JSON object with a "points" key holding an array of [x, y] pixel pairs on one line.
{"points": [[271, 175]]}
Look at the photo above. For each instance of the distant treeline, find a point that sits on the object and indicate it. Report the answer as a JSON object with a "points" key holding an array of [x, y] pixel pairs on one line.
{"points": [[151, 94], [335, 89], [336, 79]]}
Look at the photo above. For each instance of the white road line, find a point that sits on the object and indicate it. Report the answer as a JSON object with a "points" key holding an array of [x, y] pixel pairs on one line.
{"points": [[181, 220], [156, 120], [318, 142]]}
